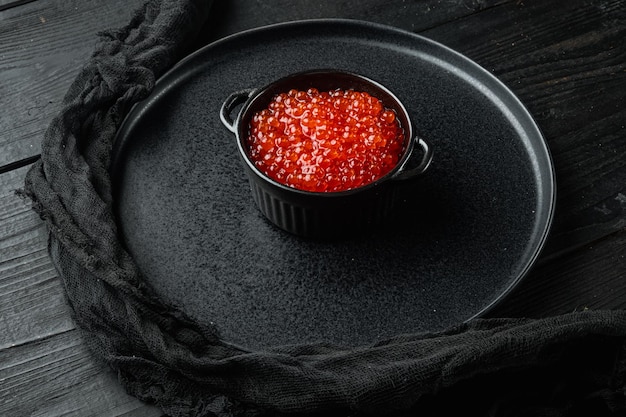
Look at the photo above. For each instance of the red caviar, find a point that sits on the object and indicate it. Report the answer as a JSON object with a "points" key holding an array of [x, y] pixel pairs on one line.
{"points": [[325, 141]]}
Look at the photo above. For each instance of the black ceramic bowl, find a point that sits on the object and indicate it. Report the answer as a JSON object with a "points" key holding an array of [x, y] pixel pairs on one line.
{"points": [[324, 214]]}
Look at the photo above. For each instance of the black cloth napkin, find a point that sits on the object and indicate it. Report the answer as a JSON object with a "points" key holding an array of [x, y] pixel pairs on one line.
{"points": [[567, 365]]}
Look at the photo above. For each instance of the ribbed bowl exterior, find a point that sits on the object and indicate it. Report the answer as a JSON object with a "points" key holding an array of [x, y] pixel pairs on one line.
{"points": [[323, 216]]}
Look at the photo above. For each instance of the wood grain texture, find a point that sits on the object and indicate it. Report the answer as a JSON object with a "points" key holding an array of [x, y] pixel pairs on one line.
{"points": [[8, 4], [590, 277], [57, 376], [43, 44], [412, 15], [31, 297], [45, 368]]}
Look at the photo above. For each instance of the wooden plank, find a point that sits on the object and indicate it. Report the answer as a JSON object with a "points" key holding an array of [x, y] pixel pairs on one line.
{"points": [[42, 46], [238, 15], [575, 230], [18, 164], [31, 296], [57, 375], [591, 277], [7, 4], [45, 368]]}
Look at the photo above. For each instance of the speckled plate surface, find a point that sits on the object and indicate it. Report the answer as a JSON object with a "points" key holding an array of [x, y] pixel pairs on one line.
{"points": [[468, 231]]}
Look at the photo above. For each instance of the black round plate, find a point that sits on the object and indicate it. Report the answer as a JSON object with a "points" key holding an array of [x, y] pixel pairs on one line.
{"points": [[469, 230]]}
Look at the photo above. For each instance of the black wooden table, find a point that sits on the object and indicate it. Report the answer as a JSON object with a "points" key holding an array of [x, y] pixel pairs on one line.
{"points": [[566, 61]]}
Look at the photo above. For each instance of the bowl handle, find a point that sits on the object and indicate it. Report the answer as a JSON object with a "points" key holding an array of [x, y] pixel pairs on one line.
{"points": [[427, 157], [233, 100]]}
